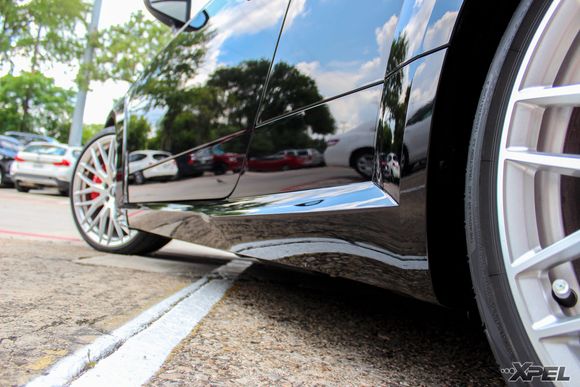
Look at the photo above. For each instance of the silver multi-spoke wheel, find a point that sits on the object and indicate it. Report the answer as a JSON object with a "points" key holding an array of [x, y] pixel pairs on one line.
{"points": [[537, 188], [93, 196]]}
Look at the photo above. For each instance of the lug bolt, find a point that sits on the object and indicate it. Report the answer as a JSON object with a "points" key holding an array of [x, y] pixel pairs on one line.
{"points": [[563, 294]]}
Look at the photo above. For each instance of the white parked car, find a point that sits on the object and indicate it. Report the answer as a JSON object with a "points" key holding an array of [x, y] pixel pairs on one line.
{"points": [[140, 161], [42, 164], [391, 167], [354, 149]]}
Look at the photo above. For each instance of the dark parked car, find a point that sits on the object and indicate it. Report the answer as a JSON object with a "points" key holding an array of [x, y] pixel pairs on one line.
{"points": [[26, 138], [479, 102], [214, 160], [9, 147]]}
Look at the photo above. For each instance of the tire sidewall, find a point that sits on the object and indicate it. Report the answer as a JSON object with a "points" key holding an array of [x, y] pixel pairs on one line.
{"points": [[504, 328]]}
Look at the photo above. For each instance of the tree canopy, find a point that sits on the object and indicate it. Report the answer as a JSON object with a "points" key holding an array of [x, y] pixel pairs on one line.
{"points": [[38, 34], [48, 106]]}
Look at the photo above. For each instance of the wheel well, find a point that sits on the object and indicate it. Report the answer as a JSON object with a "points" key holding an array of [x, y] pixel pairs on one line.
{"points": [[479, 29], [357, 152]]}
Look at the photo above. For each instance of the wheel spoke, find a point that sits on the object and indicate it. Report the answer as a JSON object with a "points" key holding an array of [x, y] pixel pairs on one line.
{"points": [[93, 209], [564, 164], [102, 223], [110, 228], [564, 250], [97, 163], [554, 327], [89, 202], [548, 96], [92, 223], [90, 183], [106, 162], [85, 191], [87, 167], [118, 228]]}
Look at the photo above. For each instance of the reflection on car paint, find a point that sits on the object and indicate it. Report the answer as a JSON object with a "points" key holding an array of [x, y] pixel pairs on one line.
{"points": [[297, 115], [203, 87], [351, 51], [424, 26], [377, 241], [405, 122], [204, 172], [296, 152]]}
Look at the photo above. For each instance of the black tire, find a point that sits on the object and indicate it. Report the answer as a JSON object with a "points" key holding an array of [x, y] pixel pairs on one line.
{"points": [[142, 243], [503, 326], [405, 166], [3, 179], [139, 178], [357, 155], [20, 188], [220, 169]]}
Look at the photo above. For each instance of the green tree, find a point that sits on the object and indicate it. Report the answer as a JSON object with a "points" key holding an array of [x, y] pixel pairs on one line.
{"points": [[12, 24], [42, 32], [89, 131], [49, 106], [393, 121], [123, 51], [137, 133]]}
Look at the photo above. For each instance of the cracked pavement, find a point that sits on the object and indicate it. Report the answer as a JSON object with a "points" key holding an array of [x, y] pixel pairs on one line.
{"points": [[52, 302]]}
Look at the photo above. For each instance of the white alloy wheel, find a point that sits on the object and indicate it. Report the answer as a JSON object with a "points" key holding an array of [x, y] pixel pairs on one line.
{"points": [[537, 186], [93, 196]]}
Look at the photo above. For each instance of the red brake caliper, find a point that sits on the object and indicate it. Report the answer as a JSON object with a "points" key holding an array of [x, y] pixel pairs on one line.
{"points": [[94, 195]]}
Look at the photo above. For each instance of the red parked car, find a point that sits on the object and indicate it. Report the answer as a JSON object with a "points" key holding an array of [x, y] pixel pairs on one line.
{"points": [[281, 161]]}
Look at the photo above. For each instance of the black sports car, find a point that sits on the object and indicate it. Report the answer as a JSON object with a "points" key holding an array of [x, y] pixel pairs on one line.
{"points": [[477, 100]]}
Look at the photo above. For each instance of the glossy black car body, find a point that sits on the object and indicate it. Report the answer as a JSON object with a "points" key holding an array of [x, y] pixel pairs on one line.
{"points": [[261, 77]]}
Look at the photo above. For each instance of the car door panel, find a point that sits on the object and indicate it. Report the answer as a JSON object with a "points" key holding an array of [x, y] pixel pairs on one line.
{"points": [[275, 163], [201, 93]]}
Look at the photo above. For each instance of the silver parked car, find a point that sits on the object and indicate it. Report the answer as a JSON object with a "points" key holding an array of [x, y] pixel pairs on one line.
{"points": [[41, 165]]}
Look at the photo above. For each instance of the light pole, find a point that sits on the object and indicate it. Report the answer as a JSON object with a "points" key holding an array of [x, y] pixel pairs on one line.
{"points": [[76, 131]]}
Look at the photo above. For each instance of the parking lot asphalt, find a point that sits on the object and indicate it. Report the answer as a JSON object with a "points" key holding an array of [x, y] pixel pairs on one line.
{"points": [[273, 327], [278, 327]]}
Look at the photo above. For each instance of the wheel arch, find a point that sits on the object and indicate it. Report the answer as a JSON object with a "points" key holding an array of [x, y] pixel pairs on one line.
{"points": [[357, 151], [477, 34]]}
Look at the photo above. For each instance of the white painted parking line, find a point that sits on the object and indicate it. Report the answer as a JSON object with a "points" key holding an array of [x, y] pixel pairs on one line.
{"points": [[132, 354]]}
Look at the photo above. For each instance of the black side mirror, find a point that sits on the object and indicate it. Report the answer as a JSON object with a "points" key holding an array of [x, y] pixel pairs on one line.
{"points": [[176, 13]]}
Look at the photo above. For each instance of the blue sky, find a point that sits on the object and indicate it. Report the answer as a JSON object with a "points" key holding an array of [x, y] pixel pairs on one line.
{"points": [[339, 59]]}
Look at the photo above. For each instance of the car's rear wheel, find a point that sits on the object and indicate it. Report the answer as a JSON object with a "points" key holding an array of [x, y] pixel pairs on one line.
{"points": [[20, 188], [139, 178], [99, 220], [523, 191], [363, 162]]}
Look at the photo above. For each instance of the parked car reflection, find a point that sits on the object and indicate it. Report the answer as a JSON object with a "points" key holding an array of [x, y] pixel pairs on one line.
{"points": [[390, 167], [353, 149], [213, 160], [140, 161], [286, 160]]}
